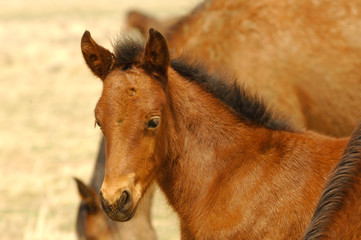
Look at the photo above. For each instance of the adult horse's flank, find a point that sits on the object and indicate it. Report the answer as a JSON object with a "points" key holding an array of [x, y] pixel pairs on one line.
{"points": [[227, 165], [303, 57], [338, 213]]}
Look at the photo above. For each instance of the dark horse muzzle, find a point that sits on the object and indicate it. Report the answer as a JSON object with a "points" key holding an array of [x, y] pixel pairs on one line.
{"points": [[121, 210]]}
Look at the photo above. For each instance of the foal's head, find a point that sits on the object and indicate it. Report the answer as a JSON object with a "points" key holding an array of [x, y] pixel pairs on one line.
{"points": [[129, 112]]}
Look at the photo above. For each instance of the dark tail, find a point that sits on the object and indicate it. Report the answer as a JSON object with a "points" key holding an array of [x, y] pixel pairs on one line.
{"points": [[337, 190]]}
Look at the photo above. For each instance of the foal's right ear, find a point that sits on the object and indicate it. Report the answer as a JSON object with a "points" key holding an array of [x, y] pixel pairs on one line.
{"points": [[98, 59]]}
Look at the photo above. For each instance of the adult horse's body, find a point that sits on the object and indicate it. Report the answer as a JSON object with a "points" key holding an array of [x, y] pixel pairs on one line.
{"points": [[229, 168], [304, 57], [338, 212]]}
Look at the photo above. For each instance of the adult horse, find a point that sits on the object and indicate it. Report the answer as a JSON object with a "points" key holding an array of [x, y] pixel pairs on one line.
{"points": [[338, 212], [303, 57], [226, 164]]}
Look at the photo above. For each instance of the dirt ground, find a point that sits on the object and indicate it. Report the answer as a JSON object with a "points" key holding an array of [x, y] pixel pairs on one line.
{"points": [[47, 97]]}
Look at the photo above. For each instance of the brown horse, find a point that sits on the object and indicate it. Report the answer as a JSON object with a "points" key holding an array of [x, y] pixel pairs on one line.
{"points": [[226, 164], [304, 57], [93, 224], [142, 22], [338, 213]]}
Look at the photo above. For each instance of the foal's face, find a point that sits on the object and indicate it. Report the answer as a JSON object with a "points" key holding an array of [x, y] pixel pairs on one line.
{"points": [[129, 113]]}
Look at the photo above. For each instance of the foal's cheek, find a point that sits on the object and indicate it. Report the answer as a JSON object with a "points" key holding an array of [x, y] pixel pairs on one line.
{"points": [[148, 148], [147, 155]]}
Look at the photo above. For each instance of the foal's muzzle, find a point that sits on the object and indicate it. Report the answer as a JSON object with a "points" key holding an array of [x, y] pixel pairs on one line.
{"points": [[121, 210]]}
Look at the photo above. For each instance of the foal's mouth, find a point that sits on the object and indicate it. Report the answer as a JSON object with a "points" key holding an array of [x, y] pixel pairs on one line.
{"points": [[121, 216], [122, 210]]}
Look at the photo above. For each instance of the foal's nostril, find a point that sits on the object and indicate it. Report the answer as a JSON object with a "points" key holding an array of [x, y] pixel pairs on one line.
{"points": [[122, 209], [123, 203], [126, 200]]}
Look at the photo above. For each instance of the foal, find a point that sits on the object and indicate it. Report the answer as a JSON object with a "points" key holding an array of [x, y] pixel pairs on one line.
{"points": [[227, 165]]}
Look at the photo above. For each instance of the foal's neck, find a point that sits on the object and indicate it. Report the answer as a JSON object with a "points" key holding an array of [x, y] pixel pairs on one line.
{"points": [[215, 168], [202, 140]]}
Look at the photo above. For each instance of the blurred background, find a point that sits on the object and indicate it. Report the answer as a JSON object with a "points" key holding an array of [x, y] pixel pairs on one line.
{"points": [[47, 97]]}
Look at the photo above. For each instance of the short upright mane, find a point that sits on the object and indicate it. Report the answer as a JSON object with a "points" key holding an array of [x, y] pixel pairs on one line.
{"points": [[128, 51], [249, 107]]}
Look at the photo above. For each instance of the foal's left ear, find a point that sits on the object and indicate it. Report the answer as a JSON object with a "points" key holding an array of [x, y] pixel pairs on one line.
{"points": [[98, 59], [156, 56]]}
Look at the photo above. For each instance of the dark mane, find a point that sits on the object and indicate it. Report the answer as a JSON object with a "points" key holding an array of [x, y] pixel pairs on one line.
{"points": [[249, 107], [127, 51], [337, 190]]}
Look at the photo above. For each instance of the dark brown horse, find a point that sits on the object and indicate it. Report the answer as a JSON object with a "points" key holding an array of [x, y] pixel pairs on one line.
{"points": [[93, 224], [303, 57], [228, 166], [338, 213]]}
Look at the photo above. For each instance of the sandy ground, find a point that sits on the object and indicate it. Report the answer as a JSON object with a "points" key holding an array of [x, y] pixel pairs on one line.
{"points": [[47, 96]]}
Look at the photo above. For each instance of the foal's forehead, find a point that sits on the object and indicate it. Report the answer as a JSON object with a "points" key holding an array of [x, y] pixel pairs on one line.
{"points": [[131, 78], [131, 87], [118, 80]]}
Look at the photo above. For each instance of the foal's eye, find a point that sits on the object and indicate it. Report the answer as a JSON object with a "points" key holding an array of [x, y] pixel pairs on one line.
{"points": [[153, 122], [97, 123]]}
